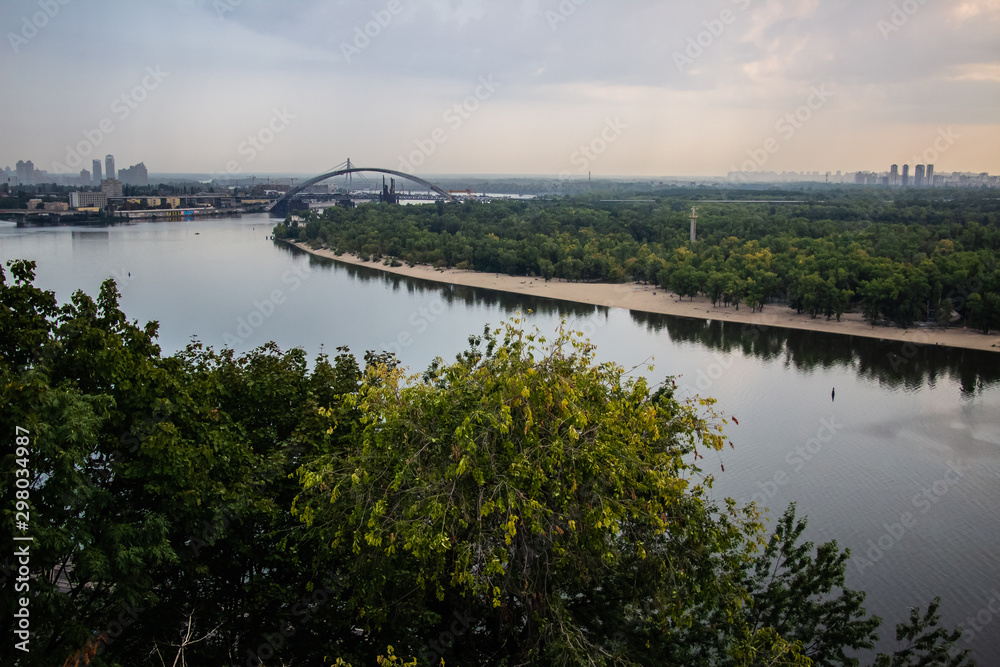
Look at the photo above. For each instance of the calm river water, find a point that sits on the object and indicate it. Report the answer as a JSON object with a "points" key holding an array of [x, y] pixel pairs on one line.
{"points": [[902, 466]]}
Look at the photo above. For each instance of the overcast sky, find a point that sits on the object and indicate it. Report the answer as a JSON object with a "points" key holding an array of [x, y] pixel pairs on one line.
{"points": [[649, 87]]}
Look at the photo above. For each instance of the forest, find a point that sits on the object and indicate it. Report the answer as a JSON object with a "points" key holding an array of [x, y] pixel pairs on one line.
{"points": [[927, 256], [522, 504]]}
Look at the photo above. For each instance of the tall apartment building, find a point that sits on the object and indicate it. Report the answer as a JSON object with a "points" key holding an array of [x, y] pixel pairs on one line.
{"points": [[98, 177], [918, 176], [134, 175], [109, 166], [25, 172]]}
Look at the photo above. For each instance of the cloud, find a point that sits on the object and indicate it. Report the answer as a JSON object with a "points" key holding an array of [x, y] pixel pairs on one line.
{"points": [[233, 61]]}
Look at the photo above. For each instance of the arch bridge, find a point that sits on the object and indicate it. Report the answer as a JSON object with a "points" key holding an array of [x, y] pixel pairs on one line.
{"points": [[280, 205]]}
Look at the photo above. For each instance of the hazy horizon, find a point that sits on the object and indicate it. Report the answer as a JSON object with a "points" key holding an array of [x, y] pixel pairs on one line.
{"points": [[527, 87]]}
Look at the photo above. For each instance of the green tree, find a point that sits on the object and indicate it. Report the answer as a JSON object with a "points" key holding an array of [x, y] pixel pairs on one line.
{"points": [[545, 495], [524, 502]]}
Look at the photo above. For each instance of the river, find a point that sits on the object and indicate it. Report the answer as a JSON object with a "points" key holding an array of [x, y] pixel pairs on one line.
{"points": [[892, 450]]}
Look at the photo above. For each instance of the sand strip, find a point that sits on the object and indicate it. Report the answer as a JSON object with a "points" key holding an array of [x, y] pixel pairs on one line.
{"points": [[653, 300]]}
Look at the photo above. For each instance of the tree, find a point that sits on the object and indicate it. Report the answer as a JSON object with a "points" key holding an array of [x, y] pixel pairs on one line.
{"points": [[522, 504], [542, 495], [160, 489]]}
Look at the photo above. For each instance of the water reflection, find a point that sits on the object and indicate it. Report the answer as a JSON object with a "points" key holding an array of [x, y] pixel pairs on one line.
{"points": [[508, 302], [893, 364]]}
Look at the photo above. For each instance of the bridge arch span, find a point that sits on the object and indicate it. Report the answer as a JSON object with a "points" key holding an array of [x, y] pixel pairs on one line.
{"points": [[352, 170]]}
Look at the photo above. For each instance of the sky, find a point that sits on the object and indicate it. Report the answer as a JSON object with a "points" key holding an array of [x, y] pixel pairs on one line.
{"points": [[547, 87]]}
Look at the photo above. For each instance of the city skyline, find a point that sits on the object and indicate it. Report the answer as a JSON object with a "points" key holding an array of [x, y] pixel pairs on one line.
{"points": [[548, 88]]}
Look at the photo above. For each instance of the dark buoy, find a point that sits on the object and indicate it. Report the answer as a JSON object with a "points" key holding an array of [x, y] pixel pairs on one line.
{"points": [[833, 394]]}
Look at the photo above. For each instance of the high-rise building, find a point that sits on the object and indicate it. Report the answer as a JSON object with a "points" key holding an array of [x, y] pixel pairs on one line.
{"points": [[918, 176], [109, 166], [894, 175], [134, 175], [98, 177], [84, 177], [930, 176], [25, 172], [906, 175]]}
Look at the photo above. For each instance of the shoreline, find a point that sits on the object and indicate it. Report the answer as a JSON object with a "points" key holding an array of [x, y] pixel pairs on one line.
{"points": [[649, 299]]}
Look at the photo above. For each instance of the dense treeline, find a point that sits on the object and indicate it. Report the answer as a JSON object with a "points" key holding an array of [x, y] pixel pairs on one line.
{"points": [[521, 505], [912, 260]]}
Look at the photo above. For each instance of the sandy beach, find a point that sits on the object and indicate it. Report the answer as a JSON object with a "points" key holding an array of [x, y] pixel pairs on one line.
{"points": [[650, 299]]}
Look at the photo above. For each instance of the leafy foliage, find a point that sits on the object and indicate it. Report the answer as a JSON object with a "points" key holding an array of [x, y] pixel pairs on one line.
{"points": [[902, 261], [522, 504]]}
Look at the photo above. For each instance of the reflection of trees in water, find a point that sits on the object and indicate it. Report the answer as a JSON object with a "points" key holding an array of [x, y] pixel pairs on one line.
{"points": [[507, 302], [894, 364]]}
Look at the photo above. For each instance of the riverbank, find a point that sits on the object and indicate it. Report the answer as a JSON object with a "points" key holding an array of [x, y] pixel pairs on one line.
{"points": [[649, 299]]}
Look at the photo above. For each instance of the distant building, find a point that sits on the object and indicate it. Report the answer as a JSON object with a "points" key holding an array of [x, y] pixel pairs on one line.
{"points": [[930, 176], [97, 173], [111, 187], [88, 199], [109, 166], [84, 177], [148, 202], [894, 175], [918, 176], [25, 172], [134, 175], [56, 206], [906, 175]]}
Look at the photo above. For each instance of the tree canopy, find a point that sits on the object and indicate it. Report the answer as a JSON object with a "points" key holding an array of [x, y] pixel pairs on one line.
{"points": [[925, 256], [522, 504]]}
